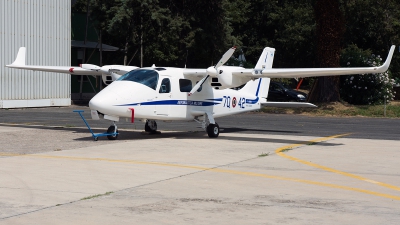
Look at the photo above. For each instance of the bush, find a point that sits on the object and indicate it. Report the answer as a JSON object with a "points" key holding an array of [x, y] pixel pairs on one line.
{"points": [[364, 89]]}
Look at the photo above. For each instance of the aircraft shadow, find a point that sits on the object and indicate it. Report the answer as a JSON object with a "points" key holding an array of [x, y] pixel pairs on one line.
{"points": [[140, 135], [239, 130]]}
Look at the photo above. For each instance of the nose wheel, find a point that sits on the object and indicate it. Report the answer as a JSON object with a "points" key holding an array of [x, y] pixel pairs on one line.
{"points": [[113, 132]]}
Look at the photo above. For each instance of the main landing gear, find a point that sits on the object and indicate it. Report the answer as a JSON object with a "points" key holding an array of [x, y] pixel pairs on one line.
{"points": [[209, 125], [213, 130], [150, 126]]}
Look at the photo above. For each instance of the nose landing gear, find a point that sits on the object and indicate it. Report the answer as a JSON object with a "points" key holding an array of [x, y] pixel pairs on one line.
{"points": [[113, 132]]}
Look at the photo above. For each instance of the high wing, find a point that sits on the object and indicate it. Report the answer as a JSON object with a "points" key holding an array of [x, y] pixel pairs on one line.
{"points": [[195, 72], [312, 72], [85, 69]]}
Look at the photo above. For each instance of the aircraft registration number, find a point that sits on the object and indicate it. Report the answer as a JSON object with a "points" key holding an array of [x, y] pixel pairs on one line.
{"points": [[233, 102]]}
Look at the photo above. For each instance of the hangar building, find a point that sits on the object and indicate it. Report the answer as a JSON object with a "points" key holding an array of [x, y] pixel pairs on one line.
{"points": [[44, 28]]}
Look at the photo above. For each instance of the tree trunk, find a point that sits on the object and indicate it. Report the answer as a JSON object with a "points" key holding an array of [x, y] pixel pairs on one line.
{"points": [[126, 52], [330, 28]]}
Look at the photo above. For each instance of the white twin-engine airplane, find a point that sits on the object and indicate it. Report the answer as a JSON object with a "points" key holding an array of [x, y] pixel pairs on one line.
{"points": [[171, 94]]}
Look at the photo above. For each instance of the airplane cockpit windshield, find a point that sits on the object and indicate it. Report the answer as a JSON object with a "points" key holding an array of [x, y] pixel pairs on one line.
{"points": [[142, 76]]}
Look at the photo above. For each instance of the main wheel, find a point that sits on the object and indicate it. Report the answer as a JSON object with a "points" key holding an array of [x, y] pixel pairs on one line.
{"points": [[213, 130], [150, 126], [111, 130]]}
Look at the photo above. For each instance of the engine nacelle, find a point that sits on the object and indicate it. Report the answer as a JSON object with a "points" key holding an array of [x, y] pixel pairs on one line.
{"points": [[107, 79], [224, 79], [90, 67]]}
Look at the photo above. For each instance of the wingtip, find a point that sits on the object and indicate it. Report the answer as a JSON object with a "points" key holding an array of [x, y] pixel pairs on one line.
{"points": [[21, 57], [386, 65]]}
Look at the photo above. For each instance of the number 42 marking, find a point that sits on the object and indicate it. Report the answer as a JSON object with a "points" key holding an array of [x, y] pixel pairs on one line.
{"points": [[242, 102]]}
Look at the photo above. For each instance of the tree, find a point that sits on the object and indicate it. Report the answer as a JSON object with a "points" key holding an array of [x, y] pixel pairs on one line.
{"points": [[373, 25], [330, 27], [287, 26]]}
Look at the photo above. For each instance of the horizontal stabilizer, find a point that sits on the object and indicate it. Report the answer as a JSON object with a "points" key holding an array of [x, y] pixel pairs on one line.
{"points": [[289, 104]]}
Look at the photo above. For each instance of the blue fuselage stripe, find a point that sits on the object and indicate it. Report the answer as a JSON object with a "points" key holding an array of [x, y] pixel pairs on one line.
{"points": [[174, 102]]}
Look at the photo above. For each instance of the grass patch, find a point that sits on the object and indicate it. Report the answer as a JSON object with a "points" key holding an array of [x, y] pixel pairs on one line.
{"points": [[263, 154], [96, 196], [342, 109], [286, 149]]}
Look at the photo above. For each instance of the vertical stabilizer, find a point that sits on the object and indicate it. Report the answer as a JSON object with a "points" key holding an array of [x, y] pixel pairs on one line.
{"points": [[266, 59], [20, 60]]}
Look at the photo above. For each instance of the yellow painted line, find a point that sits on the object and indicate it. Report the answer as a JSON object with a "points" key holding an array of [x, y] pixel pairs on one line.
{"points": [[279, 152], [217, 170]]}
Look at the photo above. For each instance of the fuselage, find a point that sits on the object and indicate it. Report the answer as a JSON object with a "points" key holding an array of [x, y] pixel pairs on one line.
{"points": [[162, 94]]}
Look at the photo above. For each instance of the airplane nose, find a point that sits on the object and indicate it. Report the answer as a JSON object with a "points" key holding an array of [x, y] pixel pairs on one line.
{"points": [[103, 101], [94, 103]]}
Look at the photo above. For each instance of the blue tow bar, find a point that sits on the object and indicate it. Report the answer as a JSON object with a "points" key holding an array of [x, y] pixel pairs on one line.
{"points": [[95, 136]]}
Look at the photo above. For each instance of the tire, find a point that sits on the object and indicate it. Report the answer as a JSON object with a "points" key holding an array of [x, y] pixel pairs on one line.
{"points": [[213, 130], [149, 128], [111, 130]]}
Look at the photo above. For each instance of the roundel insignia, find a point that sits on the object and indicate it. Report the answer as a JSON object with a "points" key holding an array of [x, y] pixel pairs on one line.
{"points": [[234, 102]]}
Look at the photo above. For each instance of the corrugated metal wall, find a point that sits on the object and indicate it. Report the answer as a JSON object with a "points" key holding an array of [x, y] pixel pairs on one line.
{"points": [[44, 28]]}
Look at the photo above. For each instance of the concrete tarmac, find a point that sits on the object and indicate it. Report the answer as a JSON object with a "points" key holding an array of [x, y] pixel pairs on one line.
{"points": [[59, 175]]}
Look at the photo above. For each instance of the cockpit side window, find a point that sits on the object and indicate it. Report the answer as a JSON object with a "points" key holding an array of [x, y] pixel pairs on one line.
{"points": [[142, 76], [185, 85], [165, 86]]}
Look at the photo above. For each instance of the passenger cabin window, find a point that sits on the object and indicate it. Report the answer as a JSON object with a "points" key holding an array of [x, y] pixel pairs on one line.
{"points": [[185, 85], [165, 86], [142, 76]]}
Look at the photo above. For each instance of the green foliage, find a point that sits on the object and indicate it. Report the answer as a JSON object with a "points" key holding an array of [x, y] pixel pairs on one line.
{"points": [[365, 89], [197, 33], [375, 25]]}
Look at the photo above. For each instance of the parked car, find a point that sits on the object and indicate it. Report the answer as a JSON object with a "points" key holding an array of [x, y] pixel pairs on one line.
{"points": [[280, 92]]}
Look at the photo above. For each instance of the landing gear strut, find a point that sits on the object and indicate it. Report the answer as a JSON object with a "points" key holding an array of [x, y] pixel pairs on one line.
{"points": [[150, 126]]}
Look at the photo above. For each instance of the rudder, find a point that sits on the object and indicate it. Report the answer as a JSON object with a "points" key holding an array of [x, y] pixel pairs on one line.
{"points": [[266, 59]]}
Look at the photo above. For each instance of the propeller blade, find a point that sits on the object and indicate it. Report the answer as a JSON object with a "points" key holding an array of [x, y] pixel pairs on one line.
{"points": [[198, 85], [225, 57], [213, 70]]}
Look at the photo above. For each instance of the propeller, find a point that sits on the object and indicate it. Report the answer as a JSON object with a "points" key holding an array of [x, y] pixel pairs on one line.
{"points": [[213, 70]]}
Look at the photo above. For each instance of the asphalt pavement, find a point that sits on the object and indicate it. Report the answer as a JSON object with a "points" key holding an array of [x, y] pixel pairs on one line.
{"points": [[256, 123], [262, 169]]}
